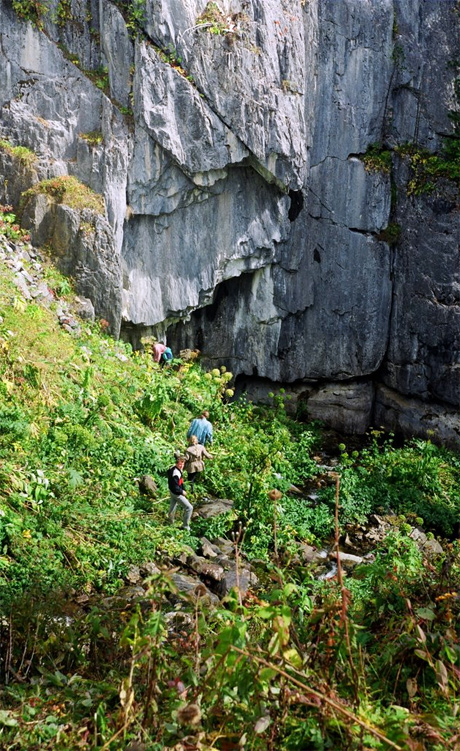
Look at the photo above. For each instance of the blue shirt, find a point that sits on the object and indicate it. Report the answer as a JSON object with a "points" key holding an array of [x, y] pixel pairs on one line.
{"points": [[202, 428]]}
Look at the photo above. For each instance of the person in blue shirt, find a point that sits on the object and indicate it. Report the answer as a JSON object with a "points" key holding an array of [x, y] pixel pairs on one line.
{"points": [[202, 428]]}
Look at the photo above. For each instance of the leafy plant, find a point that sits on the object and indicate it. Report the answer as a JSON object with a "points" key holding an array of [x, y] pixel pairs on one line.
{"points": [[67, 189], [24, 155], [31, 10], [63, 12], [428, 168], [94, 137], [9, 226], [377, 159]]}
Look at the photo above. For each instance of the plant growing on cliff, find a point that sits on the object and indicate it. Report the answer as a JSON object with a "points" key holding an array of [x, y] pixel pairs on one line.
{"points": [[377, 159], [429, 168], [390, 234], [31, 10], [24, 155], [9, 226], [215, 21], [93, 138], [67, 189], [63, 12]]}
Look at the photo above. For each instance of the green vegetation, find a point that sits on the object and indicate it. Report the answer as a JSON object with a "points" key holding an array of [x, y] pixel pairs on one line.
{"points": [[68, 190], [390, 234], [100, 77], [63, 12], [428, 168], [31, 10], [9, 226], [377, 159], [215, 21], [171, 57], [136, 15], [94, 137], [24, 155], [297, 664]]}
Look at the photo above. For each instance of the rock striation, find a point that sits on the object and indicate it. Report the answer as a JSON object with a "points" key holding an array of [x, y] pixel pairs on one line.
{"points": [[247, 213]]}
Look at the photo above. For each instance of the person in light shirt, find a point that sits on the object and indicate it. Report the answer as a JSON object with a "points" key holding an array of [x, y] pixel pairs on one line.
{"points": [[202, 428]]}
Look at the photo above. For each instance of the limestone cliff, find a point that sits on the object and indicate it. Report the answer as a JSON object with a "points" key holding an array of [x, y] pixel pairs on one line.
{"points": [[246, 213]]}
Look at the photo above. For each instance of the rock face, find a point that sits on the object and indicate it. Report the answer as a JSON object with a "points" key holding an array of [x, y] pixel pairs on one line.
{"points": [[243, 218]]}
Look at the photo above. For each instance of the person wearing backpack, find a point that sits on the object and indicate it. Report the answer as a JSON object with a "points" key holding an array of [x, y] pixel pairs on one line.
{"points": [[177, 493], [167, 356], [194, 463]]}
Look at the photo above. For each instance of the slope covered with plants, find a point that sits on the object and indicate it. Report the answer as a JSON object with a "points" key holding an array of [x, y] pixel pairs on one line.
{"points": [[367, 661]]}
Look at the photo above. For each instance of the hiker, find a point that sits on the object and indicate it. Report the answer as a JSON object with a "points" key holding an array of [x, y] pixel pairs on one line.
{"points": [[202, 428], [158, 350], [194, 463], [177, 493], [166, 357]]}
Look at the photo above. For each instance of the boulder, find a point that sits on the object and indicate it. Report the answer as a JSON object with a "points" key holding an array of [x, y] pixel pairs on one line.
{"points": [[192, 588], [214, 508], [148, 486], [244, 579]]}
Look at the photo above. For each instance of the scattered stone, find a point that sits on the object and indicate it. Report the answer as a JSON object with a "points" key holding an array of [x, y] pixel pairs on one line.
{"points": [[149, 569], [186, 553], [193, 588], [433, 547], [177, 619], [21, 284], [205, 568], [82, 599], [226, 546], [130, 593], [244, 579], [308, 553], [347, 559], [214, 508], [418, 536], [329, 573], [133, 575], [294, 490], [208, 549], [148, 486], [84, 308]]}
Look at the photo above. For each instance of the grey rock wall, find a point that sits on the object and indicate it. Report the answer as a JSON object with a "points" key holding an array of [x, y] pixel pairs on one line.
{"points": [[228, 140]]}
